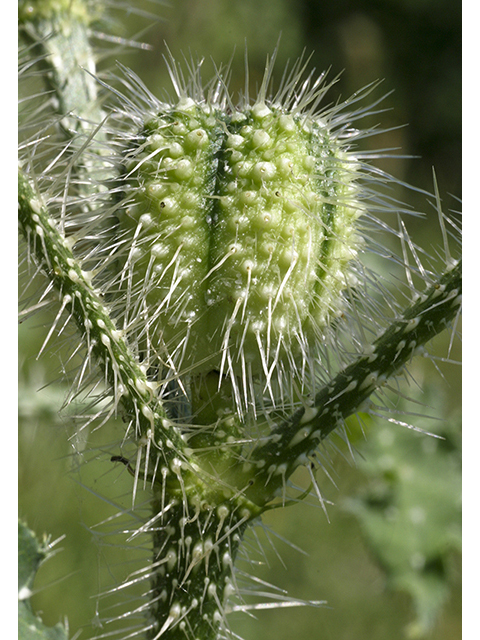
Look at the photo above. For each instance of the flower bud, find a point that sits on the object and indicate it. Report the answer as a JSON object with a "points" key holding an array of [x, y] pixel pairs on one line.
{"points": [[238, 231]]}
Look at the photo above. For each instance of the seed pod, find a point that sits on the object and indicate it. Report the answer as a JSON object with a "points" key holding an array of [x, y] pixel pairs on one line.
{"points": [[239, 229]]}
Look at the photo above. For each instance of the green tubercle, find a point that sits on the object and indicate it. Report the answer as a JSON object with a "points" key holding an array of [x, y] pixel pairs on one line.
{"points": [[236, 231]]}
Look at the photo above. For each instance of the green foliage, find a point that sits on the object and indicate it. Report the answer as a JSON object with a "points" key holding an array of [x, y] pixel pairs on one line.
{"points": [[410, 508], [31, 554]]}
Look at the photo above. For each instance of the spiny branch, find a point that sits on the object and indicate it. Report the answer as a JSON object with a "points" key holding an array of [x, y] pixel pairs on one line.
{"points": [[296, 438], [130, 385]]}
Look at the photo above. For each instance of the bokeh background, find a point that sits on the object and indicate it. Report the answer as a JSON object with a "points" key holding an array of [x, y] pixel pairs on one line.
{"points": [[415, 46]]}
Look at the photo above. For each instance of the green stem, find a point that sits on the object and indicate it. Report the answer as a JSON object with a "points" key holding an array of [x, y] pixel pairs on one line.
{"points": [[296, 439], [59, 37], [131, 387]]}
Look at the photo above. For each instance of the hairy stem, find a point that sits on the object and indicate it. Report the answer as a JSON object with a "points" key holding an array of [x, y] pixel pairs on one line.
{"points": [[129, 383], [60, 39], [297, 438]]}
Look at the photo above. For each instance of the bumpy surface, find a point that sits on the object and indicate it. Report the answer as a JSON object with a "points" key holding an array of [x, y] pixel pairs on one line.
{"points": [[236, 233]]}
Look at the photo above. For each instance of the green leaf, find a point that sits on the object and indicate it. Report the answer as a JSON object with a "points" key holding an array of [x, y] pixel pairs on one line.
{"points": [[31, 553], [410, 509]]}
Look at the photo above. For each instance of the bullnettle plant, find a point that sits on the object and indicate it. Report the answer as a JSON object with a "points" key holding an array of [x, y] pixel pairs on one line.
{"points": [[213, 253]]}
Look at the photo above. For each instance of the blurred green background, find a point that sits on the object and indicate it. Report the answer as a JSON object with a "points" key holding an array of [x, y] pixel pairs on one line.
{"points": [[415, 45]]}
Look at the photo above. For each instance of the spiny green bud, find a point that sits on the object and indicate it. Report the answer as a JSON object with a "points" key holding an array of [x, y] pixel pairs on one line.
{"points": [[239, 228]]}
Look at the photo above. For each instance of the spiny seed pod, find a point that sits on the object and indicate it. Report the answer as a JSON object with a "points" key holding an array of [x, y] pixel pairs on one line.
{"points": [[237, 227]]}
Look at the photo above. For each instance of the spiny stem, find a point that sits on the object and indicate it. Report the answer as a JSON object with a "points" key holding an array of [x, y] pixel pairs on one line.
{"points": [[130, 385], [297, 438], [60, 38], [58, 35]]}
